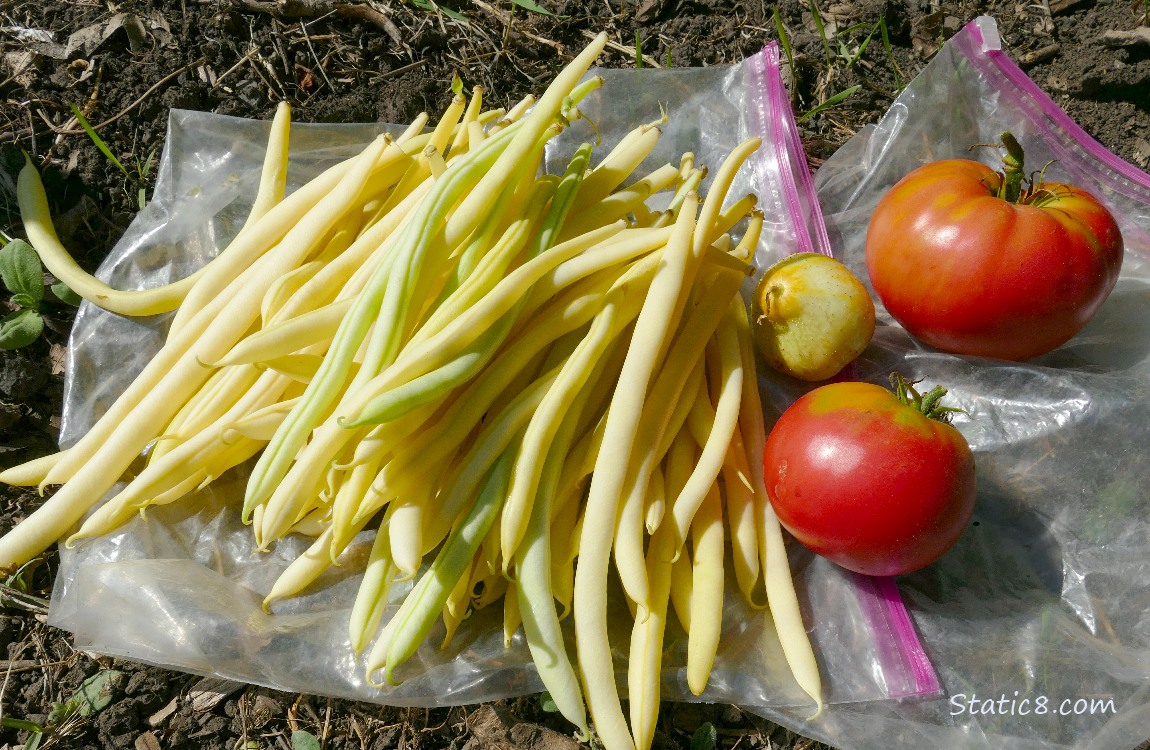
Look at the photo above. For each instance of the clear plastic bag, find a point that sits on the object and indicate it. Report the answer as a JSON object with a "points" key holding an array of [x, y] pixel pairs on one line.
{"points": [[1038, 622], [1045, 600], [183, 588]]}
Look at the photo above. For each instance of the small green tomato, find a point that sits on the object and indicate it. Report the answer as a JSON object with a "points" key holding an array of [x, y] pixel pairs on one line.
{"points": [[812, 316]]}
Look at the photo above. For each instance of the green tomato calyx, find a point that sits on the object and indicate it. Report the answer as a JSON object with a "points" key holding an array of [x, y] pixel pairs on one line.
{"points": [[1013, 164], [929, 404]]}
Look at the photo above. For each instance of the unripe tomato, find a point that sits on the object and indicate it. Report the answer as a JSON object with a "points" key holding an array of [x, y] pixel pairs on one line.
{"points": [[971, 262], [879, 485], [812, 317]]}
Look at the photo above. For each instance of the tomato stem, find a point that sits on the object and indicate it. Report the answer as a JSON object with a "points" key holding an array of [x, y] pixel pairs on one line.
{"points": [[929, 404], [1012, 169]]}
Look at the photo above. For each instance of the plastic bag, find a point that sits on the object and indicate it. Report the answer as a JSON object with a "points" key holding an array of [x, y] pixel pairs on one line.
{"points": [[1039, 620], [183, 589]]}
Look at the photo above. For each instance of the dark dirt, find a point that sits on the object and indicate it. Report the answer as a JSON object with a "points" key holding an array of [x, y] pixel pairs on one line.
{"points": [[126, 63]]}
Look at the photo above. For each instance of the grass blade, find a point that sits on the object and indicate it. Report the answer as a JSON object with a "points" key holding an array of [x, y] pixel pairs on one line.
{"points": [[97, 139], [862, 47], [890, 56], [535, 8], [784, 40], [818, 18], [832, 101]]}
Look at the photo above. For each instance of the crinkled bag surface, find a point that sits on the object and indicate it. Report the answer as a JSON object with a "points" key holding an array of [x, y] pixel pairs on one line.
{"points": [[1044, 602], [183, 588], [1039, 620]]}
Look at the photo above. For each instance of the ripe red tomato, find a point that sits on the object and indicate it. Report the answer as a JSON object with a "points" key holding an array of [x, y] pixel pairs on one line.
{"points": [[970, 268], [874, 484]]}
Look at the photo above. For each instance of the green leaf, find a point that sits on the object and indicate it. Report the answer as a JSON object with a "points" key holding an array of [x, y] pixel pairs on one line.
{"points": [[21, 724], [21, 271], [829, 102], [431, 5], [301, 740], [33, 740], [784, 40], [536, 8], [548, 704], [65, 294], [95, 693], [890, 56], [818, 19], [23, 300], [59, 713], [863, 46], [19, 329], [97, 139], [706, 737]]}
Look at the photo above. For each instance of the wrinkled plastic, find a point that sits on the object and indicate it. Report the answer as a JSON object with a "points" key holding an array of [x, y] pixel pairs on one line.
{"points": [[1038, 622], [1043, 603], [183, 588]]}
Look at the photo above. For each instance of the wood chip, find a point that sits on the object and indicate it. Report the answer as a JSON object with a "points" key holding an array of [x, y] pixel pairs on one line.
{"points": [[58, 356], [208, 692], [147, 741], [1043, 54], [162, 715], [1139, 37], [14, 665], [1064, 6]]}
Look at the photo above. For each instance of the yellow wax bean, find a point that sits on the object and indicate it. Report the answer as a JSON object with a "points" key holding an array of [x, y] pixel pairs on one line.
{"points": [[718, 438], [42, 236], [288, 336], [372, 594], [681, 587], [740, 504], [512, 615], [259, 424], [368, 455], [208, 331], [656, 321], [458, 601], [491, 441], [656, 501], [622, 305], [616, 167], [284, 287], [303, 571], [31, 472], [706, 603], [780, 587], [620, 203], [617, 246], [100, 459], [473, 207], [273, 172], [488, 589], [645, 667], [461, 137], [173, 467]]}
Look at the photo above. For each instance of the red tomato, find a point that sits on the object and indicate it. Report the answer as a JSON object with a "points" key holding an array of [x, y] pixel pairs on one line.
{"points": [[870, 482], [970, 272]]}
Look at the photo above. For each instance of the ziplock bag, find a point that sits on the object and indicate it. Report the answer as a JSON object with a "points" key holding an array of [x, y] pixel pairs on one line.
{"points": [[183, 589], [1038, 621]]}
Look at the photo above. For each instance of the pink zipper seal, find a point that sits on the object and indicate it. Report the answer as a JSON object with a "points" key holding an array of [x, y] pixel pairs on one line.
{"points": [[776, 121], [906, 667]]}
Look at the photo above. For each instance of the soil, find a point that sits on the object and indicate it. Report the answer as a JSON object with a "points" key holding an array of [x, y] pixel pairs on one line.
{"points": [[126, 63]]}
